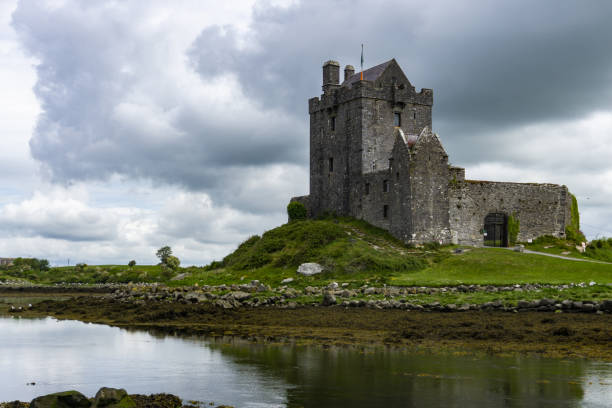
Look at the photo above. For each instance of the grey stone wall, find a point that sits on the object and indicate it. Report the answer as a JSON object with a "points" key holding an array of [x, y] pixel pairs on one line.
{"points": [[542, 209], [429, 176]]}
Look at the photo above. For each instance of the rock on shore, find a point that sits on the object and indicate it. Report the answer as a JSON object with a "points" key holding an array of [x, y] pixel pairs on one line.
{"points": [[104, 398]]}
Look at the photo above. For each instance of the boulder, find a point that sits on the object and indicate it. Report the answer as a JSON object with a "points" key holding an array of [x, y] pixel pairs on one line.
{"points": [[112, 398], [239, 296], [310, 268], [606, 305], [66, 399], [333, 285], [588, 307], [288, 280], [290, 293], [328, 299], [523, 304], [181, 276], [225, 304]]}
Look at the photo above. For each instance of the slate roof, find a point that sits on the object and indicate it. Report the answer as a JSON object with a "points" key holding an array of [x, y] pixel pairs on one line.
{"points": [[370, 74]]}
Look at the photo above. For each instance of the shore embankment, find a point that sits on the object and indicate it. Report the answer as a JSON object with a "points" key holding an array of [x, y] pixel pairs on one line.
{"points": [[418, 318]]}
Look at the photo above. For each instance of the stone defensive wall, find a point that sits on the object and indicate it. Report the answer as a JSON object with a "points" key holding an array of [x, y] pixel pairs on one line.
{"points": [[542, 209]]}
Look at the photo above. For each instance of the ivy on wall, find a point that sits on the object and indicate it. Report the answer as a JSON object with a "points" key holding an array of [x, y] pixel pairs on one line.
{"points": [[572, 231], [514, 225]]}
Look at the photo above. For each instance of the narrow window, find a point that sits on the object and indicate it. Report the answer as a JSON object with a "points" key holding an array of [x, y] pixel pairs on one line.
{"points": [[385, 186], [414, 115], [397, 119], [385, 211], [332, 123], [331, 164], [397, 176], [390, 162], [367, 188]]}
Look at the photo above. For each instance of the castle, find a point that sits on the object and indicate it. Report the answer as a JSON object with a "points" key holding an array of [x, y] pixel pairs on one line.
{"points": [[373, 156]]}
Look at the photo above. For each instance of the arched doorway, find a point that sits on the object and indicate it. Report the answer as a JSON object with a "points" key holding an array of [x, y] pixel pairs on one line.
{"points": [[496, 230]]}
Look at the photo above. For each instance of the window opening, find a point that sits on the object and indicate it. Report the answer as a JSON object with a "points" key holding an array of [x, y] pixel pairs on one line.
{"points": [[332, 123], [331, 164], [367, 188], [385, 211], [397, 119], [385, 186]]}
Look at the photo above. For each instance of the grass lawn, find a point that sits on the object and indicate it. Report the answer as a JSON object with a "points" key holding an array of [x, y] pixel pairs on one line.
{"points": [[496, 266]]}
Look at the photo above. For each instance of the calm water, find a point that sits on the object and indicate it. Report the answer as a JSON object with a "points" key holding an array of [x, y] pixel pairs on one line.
{"points": [[61, 355]]}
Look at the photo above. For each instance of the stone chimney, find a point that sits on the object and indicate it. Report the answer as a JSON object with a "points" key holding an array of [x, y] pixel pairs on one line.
{"points": [[331, 75], [349, 71]]}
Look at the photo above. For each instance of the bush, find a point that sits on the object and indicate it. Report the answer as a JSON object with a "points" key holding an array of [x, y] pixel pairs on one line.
{"points": [[172, 262], [296, 211], [132, 263]]}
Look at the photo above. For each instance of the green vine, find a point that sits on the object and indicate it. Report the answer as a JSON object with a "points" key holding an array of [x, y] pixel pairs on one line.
{"points": [[572, 231], [514, 225]]}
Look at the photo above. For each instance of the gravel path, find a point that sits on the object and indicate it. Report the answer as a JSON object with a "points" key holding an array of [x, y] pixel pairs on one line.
{"points": [[528, 251]]}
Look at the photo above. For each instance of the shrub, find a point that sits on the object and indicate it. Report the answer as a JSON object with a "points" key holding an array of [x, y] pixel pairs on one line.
{"points": [[172, 262], [296, 211], [132, 263]]}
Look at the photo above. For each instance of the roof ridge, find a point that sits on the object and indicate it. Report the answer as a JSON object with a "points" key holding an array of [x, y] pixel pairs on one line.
{"points": [[369, 74]]}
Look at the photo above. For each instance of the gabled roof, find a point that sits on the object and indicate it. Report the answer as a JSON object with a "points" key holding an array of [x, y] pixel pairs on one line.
{"points": [[370, 74]]}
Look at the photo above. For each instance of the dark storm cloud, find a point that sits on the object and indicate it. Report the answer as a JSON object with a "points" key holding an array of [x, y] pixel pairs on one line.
{"points": [[493, 65], [111, 104]]}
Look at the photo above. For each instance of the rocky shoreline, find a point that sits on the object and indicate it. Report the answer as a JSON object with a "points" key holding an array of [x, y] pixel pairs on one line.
{"points": [[105, 398], [257, 295]]}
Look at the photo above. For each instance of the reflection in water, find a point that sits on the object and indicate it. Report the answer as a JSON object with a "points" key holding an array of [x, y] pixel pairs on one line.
{"points": [[60, 355]]}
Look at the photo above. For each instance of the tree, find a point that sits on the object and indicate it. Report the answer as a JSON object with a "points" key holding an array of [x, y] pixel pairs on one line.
{"points": [[172, 262], [43, 265], [164, 253], [132, 263]]}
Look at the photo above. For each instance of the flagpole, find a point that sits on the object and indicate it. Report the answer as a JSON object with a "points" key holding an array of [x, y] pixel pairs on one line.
{"points": [[361, 62]]}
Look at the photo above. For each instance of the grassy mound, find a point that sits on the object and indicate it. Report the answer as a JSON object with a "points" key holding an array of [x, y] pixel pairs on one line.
{"points": [[344, 245]]}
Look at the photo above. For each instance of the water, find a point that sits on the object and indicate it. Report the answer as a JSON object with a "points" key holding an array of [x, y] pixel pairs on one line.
{"points": [[62, 355]]}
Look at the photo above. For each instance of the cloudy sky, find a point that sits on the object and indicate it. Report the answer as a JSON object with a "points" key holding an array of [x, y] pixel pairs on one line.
{"points": [[128, 125]]}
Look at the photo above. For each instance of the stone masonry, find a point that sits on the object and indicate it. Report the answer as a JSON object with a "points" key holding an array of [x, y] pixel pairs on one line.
{"points": [[374, 156]]}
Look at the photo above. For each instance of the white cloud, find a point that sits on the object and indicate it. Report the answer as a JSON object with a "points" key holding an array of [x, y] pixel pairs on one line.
{"points": [[63, 223], [574, 153]]}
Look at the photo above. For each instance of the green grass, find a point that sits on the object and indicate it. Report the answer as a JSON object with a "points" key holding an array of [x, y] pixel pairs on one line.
{"points": [[89, 274], [494, 266], [355, 252]]}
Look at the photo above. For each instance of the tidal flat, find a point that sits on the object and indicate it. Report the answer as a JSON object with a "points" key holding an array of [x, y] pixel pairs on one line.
{"points": [[559, 335]]}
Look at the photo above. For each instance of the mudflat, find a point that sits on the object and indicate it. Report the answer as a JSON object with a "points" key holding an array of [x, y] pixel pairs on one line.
{"points": [[564, 335]]}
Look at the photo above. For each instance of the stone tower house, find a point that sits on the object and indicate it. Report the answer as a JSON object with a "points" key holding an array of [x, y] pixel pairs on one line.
{"points": [[374, 156]]}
